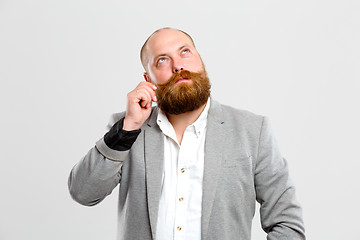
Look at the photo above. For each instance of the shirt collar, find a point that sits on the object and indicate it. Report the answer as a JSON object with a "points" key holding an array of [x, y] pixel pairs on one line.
{"points": [[198, 126]]}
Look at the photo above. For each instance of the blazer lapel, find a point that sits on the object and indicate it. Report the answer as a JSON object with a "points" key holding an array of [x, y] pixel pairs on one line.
{"points": [[212, 163], [154, 158]]}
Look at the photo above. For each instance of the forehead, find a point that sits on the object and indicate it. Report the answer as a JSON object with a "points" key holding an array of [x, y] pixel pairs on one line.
{"points": [[167, 40]]}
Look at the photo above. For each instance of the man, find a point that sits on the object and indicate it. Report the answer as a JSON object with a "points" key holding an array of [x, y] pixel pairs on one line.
{"points": [[190, 168]]}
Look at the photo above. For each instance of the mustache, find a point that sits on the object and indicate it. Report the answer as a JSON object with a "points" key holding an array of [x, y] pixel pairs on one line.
{"points": [[183, 74]]}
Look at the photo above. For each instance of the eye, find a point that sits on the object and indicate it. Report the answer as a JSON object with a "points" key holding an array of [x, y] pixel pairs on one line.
{"points": [[185, 51], [161, 60]]}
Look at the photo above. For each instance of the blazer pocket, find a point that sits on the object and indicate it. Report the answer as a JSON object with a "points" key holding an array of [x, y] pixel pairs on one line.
{"points": [[242, 161]]}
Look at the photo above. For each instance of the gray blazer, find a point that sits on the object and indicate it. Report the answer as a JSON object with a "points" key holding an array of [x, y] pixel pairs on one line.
{"points": [[242, 165]]}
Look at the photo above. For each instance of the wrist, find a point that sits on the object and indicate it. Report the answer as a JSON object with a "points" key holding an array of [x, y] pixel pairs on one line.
{"points": [[130, 125]]}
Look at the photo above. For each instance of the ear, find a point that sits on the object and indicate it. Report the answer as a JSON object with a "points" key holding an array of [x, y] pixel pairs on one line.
{"points": [[146, 77]]}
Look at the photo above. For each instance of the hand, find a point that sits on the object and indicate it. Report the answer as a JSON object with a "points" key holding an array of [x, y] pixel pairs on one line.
{"points": [[139, 103]]}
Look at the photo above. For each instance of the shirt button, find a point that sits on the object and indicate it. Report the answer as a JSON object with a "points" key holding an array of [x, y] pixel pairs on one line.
{"points": [[181, 199], [179, 228], [182, 170]]}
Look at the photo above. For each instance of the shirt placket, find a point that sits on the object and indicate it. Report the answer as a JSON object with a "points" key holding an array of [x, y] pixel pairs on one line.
{"points": [[181, 197]]}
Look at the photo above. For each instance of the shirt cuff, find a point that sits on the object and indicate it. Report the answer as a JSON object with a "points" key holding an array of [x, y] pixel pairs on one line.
{"points": [[119, 139]]}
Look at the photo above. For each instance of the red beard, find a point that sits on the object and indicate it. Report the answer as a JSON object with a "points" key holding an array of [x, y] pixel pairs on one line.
{"points": [[180, 98]]}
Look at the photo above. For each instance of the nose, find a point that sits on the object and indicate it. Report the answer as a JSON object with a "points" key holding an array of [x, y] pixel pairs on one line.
{"points": [[177, 66], [178, 69]]}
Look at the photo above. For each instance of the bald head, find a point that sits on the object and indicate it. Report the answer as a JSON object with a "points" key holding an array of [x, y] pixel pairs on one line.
{"points": [[153, 39]]}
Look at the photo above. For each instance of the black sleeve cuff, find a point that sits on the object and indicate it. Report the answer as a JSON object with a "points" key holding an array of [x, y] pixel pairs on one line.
{"points": [[119, 139]]}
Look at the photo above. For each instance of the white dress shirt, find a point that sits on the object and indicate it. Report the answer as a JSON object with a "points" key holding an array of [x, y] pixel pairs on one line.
{"points": [[179, 214]]}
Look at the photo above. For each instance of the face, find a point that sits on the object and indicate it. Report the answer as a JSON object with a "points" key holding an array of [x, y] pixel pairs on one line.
{"points": [[169, 51], [174, 65]]}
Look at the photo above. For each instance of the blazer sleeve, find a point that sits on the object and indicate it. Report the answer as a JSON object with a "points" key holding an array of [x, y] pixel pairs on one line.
{"points": [[98, 172], [280, 213]]}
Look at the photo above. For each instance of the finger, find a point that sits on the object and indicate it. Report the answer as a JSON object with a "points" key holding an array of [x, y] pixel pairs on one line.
{"points": [[143, 97], [137, 96], [148, 90], [152, 93], [153, 86]]}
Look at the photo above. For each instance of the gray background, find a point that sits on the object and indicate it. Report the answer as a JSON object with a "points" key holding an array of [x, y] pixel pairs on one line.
{"points": [[65, 66]]}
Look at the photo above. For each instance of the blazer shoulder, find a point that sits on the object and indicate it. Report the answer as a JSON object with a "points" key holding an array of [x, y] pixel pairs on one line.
{"points": [[240, 116]]}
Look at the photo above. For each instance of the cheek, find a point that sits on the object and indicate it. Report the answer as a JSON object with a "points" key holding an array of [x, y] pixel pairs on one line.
{"points": [[195, 65]]}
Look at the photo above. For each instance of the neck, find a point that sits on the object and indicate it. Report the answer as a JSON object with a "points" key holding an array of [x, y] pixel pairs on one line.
{"points": [[181, 121]]}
